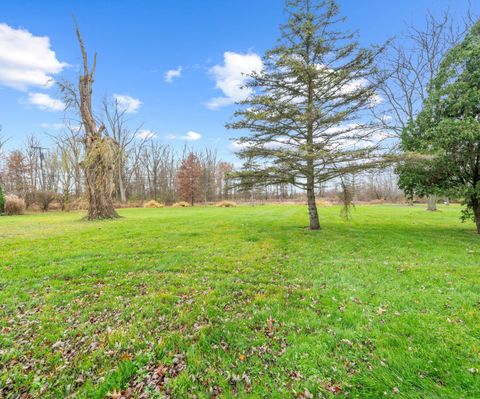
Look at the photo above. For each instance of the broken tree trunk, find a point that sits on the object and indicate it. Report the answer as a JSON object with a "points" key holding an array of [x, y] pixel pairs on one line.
{"points": [[99, 161]]}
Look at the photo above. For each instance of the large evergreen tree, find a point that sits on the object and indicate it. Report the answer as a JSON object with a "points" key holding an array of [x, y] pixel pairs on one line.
{"points": [[447, 131], [306, 115]]}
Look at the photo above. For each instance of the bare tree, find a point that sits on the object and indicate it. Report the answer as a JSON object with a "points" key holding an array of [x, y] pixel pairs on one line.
{"points": [[66, 176], [128, 148], [34, 158], [100, 149], [71, 142], [408, 67], [152, 159], [223, 171], [209, 161], [3, 140]]}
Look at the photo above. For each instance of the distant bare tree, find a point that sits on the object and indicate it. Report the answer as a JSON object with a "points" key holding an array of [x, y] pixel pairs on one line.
{"points": [[128, 145], [34, 158], [71, 144], [223, 171], [3, 140], [152, 159], [408, 67], [66, 174], [209, 161]]}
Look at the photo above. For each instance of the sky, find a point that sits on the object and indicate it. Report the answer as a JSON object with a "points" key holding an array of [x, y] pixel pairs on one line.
{"points": [[174, 65]]}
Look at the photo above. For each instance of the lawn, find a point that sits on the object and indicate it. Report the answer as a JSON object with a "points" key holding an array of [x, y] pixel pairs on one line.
{"points": [[240, 302]]}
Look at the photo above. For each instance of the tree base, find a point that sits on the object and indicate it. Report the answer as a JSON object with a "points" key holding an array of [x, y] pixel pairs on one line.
{"points": [[312, 228], [93, 219]]}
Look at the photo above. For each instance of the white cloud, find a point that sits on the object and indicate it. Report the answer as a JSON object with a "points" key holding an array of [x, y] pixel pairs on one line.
{"points": [[127, 103], [192, 136], [279, 143], [237, 146], [45, 102], [376, 99], [146, 134], [26, 60], [231, 77], [172, 74], [354, 85], [52, 125]]}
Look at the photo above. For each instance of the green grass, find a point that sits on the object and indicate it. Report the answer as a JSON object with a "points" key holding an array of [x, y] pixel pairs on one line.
{"points": [[241, 302]]}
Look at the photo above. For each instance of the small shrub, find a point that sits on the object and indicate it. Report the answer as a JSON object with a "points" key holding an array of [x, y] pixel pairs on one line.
{"points": [[14, 205], [2, 201], [181, 204], [153, 204], [227, 204], [44, 199]]}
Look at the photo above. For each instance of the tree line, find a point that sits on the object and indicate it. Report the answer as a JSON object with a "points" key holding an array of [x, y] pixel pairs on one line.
{"points": [[147, 169], [150, 169]]}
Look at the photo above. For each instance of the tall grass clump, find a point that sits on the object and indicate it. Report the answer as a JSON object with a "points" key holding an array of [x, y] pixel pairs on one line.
{"points": [[226, 204], [181, 204], [153, 204], [14, 205]]}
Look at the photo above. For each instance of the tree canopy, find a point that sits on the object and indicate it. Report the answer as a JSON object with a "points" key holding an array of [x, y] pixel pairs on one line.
{"points": [[447, 131]]}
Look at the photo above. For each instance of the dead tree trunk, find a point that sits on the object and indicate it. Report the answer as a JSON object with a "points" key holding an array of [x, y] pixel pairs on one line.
{"points": [[432, 203], [99, 149]]}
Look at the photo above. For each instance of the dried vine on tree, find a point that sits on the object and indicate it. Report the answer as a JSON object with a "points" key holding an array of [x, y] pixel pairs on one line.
{"points": [[99, 161]]}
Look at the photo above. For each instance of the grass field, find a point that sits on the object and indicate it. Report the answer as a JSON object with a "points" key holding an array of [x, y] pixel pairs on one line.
{"points": [[240, 302]]}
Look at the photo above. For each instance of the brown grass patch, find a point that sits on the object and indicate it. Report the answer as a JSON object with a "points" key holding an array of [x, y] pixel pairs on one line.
{"points": [[153, 204], [226, 204], [181, 204]]}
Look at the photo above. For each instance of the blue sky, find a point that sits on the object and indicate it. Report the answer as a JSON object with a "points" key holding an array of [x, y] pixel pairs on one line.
{"points": [[138, 42]]}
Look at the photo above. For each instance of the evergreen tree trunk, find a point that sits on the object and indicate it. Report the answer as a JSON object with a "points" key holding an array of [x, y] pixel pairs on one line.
{"points": [[312, 208], [312, 204], [432, 203]]}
